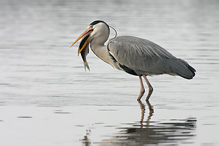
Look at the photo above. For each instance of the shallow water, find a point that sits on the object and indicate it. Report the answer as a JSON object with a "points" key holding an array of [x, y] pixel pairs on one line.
{"points": [[47, 98]]}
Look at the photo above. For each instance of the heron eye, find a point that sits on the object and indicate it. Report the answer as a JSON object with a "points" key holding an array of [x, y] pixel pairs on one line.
{"points": [[91, 27]]}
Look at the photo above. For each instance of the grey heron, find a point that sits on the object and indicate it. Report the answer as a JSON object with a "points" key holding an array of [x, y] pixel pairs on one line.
{"points": [[136, 56]]}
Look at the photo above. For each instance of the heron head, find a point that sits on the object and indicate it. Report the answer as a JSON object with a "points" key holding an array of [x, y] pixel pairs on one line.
{"points": [[93, 30]]}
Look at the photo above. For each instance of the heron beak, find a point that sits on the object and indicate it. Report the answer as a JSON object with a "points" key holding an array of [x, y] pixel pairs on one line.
{"points": [[85, 40]]}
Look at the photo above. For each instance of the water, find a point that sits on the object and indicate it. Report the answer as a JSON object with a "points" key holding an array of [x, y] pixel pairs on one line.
{"points": [[47, 98]]}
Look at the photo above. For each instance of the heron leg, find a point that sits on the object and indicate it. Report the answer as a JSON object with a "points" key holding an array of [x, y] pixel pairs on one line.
{"points": [[150, 88], [142, 89]]}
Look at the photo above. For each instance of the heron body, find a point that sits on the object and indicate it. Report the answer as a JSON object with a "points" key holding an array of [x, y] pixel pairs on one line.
{"points": [[136, 56]]}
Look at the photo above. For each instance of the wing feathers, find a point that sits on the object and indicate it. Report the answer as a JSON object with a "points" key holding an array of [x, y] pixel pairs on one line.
{"points": [[140, 55], [145, 57]]}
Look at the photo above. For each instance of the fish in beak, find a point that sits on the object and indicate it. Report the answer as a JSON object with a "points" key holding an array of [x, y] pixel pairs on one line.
{"points": [[84, 45]]}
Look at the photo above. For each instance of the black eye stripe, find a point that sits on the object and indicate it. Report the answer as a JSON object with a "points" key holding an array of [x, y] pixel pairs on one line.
{"points": [[98, 21]]}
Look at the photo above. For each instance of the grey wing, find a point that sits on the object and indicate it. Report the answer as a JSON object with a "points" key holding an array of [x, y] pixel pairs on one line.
{"points": [[140, 55]]}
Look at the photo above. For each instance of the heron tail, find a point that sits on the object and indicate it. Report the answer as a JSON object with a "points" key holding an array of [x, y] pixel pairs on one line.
{"points": [[183, 69]]}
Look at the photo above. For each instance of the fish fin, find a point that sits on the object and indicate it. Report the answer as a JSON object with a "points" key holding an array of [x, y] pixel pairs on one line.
{"points": [[86, 66]]}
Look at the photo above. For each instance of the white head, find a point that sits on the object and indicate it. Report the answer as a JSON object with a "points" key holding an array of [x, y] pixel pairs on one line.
{"points": [[97, 29], [97, 32]]}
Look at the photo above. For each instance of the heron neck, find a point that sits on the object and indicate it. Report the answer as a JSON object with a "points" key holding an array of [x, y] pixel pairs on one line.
{"points": [[100, 50]]}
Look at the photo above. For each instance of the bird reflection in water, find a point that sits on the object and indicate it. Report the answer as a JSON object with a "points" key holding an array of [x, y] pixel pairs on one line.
{"points": [[167, 131], [151, 111], [170, 131]]}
